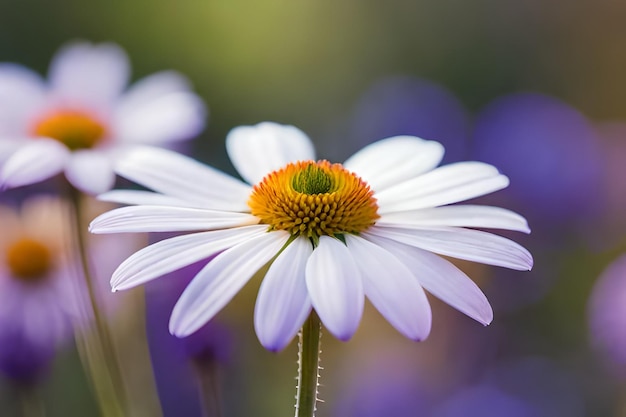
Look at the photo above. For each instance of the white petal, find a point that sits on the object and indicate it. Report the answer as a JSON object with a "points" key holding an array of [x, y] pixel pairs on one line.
{"points": [[444, 185], [283, 303], [336, 287], [90, 171], [152, 88], [137, 197], [442, 279], [93, 74], [471, 245], [174, 253], [9, 145], [392, 288], [255, 151], [466, 215], [218, 282], [167, 219], [181, 177], [22, 94], [394, 160], [34, 162], [172, 117]]}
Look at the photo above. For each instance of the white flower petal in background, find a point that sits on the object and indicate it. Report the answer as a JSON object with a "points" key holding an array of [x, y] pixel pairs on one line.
{"points": [[258, 150], [22, 94], [392, 288], [90, 172], [171, 254], [394, 160], [465, 215], [181, 177], [283, 303], [336, 287], [150, 88], [169, 118], [445, 185], [167, 219], [220, 280], [34, 162], [93, 74], [441, 278]]}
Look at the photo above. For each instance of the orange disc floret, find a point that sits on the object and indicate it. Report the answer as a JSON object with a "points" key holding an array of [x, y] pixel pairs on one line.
{"points": [[75, 129], [313, 199], [28, 259]]}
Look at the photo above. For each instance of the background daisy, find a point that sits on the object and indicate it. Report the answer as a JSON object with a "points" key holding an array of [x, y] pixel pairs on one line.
{"points": [[77, 119]]}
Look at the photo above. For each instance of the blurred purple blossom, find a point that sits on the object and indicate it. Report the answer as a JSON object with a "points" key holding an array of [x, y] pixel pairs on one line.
{"points": [[607, 316], [411, 106], [551, 154]]}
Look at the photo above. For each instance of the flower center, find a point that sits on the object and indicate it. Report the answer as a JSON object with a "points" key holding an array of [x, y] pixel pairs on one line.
{"points": [[28, 259], [314, 199], [75, 129]]}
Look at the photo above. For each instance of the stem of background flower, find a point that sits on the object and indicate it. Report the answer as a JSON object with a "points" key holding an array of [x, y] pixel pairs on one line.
{"points": [[308, 366], [30, 401], [96, 347], [208, 380]]}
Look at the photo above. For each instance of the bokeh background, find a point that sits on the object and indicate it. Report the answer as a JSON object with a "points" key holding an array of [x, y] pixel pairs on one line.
{"points": [[537, 88]]}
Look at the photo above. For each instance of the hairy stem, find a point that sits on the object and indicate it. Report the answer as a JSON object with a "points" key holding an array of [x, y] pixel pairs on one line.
{"points": [[308, 367]]}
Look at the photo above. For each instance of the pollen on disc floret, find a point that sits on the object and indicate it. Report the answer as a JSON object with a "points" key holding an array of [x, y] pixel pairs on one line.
{"points": [[313, 199]]}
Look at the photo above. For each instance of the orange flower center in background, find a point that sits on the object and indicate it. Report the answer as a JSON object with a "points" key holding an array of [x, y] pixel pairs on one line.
{"points": [[28, 259], [76, 130], [314, 199]]}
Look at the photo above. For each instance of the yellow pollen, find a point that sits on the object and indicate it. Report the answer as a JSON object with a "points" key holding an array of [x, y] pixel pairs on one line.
{"points": [[314, 199], [75, 129], [28, 259]]}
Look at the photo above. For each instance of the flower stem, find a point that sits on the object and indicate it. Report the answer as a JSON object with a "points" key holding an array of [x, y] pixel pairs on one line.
{"points": [[96, 347], [209, 387], [308, 366]]}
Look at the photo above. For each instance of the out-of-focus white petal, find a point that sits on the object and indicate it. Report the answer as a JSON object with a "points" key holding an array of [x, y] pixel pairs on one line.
{"points": [[441, 278], [218, 282], [172, 117], [471, 245], [89, 74], [466, 215], [444, 185], [392, 288], [151, 88], [8, 146], [34, 162], [22, 94], [394, 160], [167, 219], [135, 197], [90, 171], [171, 254], [255, 151], [283, 303], [336, 287], [181, 177]]}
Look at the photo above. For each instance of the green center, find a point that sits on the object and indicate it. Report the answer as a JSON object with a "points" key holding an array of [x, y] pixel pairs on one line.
{"points": [[312, 180]]}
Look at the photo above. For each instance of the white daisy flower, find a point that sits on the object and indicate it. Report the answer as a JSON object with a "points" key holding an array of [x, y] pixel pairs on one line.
{"points": [[76, 121], [330, 234]]}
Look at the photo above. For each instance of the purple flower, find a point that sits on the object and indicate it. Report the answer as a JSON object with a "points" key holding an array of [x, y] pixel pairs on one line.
{"points": [[550, 152]]}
